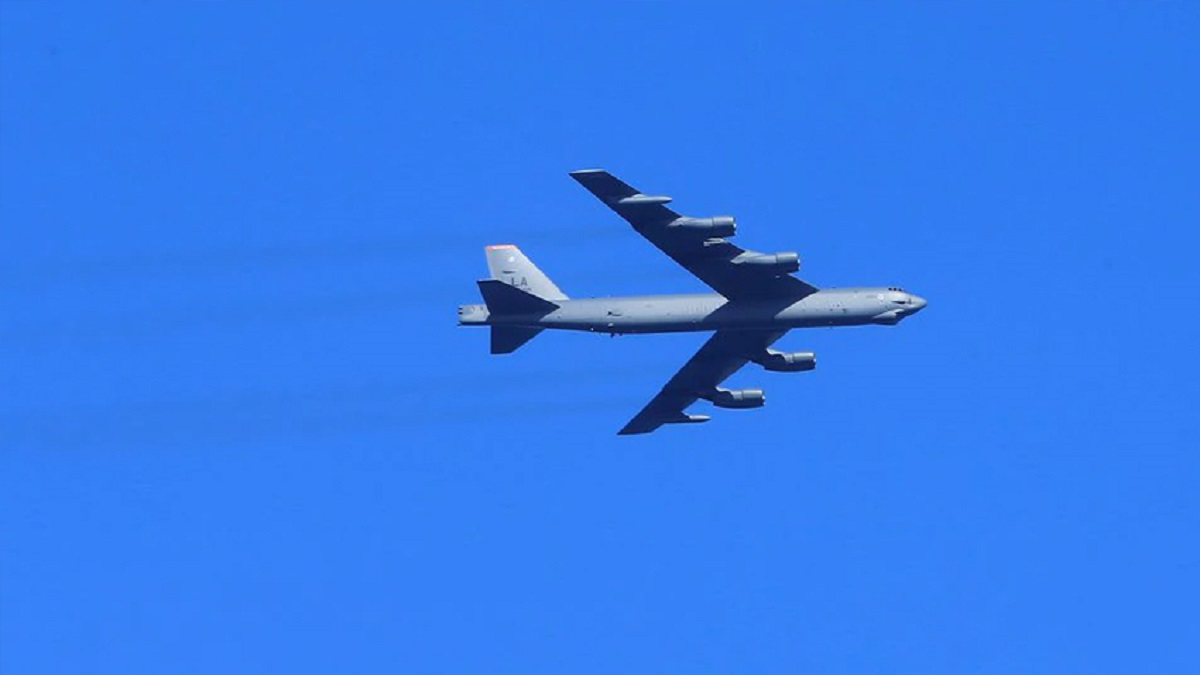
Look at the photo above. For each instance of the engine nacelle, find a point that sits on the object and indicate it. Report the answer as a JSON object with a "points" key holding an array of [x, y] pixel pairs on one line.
{"points": [[717, 226], [788, 362], [779, 263], [738, 398]]}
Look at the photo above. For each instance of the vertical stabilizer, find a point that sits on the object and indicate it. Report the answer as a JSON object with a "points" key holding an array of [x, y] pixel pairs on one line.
{"points": [[508, 264]]}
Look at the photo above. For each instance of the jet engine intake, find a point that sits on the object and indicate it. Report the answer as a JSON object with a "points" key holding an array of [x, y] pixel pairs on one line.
{"points": [[780, 263], [738, 398], [717, 226], [788, 362]]}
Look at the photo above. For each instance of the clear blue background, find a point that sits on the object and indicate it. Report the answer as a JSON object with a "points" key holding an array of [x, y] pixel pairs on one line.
{"points": [[241, 433]]}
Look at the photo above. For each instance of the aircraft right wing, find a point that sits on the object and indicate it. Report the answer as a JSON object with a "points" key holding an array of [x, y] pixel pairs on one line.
{"points": [[723, 355], [698, 244]]}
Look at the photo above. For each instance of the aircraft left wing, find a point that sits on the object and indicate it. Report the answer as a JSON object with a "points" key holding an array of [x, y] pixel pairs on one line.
{"points": [[699, 244], [723, 355]]}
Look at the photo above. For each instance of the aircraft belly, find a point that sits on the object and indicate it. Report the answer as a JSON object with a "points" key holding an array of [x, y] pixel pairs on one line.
{"points": [[694, 313]]}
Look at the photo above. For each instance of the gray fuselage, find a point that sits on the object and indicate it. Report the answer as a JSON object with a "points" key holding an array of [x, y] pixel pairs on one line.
{"points": [[710, 311]]}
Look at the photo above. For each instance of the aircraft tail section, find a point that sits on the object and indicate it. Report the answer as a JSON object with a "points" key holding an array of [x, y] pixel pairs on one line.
{"points": [[507, 339], [518, 292], [508, 264], [505, 300]]}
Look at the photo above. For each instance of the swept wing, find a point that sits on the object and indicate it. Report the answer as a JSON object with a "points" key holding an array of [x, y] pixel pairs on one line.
{"points": [[730, 270], [724, 353]]}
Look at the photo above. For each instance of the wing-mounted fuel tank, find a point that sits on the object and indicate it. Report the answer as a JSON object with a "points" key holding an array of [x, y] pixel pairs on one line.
{"points": [[737, 398], [717, 226], [787, 362]]}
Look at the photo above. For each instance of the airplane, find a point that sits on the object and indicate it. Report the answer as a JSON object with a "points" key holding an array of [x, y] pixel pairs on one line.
{"points": [[756, 301]]}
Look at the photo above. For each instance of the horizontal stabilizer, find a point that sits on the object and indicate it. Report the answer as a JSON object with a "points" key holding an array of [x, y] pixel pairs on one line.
{"points": [[503, 298], [507, 339]]}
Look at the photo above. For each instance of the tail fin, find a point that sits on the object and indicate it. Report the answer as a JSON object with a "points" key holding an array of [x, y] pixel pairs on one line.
{"points": [[502, 299], [508, 264], [506, 339], [517, 287]]}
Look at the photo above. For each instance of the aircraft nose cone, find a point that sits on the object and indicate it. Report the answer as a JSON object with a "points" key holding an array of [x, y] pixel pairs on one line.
{"points": [[918, 303]]}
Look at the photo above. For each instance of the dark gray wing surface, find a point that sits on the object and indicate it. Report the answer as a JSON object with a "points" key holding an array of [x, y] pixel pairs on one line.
{"points": [[711, 259], [723, 355]]}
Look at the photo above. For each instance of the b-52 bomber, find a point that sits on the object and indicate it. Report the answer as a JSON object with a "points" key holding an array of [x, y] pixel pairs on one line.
{"points": [[757, 300]]}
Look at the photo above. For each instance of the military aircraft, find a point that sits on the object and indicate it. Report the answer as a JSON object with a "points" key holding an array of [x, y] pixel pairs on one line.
{"points": [[757, 300]]}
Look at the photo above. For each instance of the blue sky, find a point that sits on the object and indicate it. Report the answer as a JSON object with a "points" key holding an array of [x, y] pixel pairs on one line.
{"points": [[241, 433]]}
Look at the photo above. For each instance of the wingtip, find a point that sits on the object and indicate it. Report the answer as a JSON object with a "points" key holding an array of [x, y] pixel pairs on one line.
{"points": [[634, 429], [584, 172]]}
